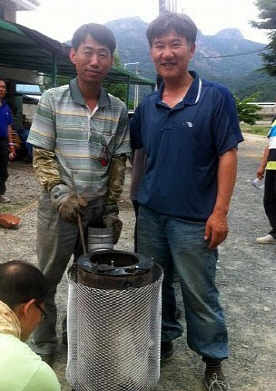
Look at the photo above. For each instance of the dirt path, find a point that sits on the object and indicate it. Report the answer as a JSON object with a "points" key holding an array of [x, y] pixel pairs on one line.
{"points": [[246, 278]]}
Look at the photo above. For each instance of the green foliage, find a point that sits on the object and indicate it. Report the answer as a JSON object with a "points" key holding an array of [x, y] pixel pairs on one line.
{"points": [[267, 14], [247, 110], [61, 81], [117, 89]]}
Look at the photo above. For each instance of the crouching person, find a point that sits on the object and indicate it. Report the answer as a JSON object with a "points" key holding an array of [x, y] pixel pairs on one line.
{"points": [[23, 289]]}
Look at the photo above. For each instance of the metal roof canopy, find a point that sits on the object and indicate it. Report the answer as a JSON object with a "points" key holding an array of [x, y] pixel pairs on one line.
{"points": [[24, 48]]}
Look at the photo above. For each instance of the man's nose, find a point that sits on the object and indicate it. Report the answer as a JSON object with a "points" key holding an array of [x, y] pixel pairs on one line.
{"points": [[167, 52], [94, 60]]}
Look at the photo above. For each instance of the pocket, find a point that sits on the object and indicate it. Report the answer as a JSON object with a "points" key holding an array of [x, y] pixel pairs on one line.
{"points": [[101, 149], [97, 151]]}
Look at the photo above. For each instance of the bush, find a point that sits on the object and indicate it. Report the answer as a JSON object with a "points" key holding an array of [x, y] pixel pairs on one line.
{"points": [[247, 110]]}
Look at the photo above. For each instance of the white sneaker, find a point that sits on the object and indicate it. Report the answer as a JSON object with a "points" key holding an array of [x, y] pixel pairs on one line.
{"points": [[4, 199], [268, 239]]}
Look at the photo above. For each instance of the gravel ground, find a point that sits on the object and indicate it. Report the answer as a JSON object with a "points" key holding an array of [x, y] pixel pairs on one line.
{"points": [[245, 277]]}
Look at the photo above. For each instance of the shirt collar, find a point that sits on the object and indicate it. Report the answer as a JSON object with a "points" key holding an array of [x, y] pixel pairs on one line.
{"points": [[193, 94], [78, 97], [3, 103], [9, 323]]}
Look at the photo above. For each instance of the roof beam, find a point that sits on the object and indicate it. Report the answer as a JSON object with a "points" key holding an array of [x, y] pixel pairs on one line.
{"points": [[25, 5]]}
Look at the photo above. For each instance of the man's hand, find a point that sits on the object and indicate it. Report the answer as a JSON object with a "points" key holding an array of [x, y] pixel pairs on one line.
{"points": [[261, 169], [260, 172], [12, 154], [216, 229], [68, 204], [110, 218]]}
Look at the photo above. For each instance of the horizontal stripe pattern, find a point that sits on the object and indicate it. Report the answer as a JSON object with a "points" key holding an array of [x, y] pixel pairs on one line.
{"points": [[81, 141]]}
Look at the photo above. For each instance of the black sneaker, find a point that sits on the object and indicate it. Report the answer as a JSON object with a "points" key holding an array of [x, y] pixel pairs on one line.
{"points": [[214, 377], [166, 351]]}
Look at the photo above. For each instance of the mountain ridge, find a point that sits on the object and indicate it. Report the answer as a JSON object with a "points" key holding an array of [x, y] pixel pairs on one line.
{"points": [[225, 57]]}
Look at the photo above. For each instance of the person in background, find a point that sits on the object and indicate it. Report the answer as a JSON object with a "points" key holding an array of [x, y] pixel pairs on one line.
{"points": [[137, 172], [7, 149], [23, 289], [189, 130], [268, 166], [80, 139]]}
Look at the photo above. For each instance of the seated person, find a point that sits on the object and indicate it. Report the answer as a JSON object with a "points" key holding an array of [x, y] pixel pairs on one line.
{"points": [[23, 289]]}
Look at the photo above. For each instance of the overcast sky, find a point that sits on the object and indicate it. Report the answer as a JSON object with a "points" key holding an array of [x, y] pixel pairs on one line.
{"points": [[60, 18]]}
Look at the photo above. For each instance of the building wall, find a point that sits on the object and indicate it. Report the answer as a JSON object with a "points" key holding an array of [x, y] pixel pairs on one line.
{"points": [[8, 11]]}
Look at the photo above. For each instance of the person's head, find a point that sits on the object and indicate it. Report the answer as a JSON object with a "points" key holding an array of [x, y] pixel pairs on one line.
{"points": [[3, 89], [23, 288], [92, 51], [182, 24], [171, 38]]}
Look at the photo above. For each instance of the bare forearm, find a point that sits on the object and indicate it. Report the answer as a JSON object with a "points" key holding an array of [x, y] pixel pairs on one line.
{"points": [[227, 172], [10, 134], [262, 167], [216, 226]]}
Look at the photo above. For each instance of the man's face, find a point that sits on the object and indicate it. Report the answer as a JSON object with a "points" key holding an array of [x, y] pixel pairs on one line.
{"points": [[171, 55], [30, 316], [2, 89], [92, 61]]}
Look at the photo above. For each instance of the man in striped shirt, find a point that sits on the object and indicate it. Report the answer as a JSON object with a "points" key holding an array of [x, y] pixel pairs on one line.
{"points": [[81, 141]]}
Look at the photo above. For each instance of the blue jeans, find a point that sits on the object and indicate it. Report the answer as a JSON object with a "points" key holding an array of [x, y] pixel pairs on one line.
{"points": [[179, 245]]}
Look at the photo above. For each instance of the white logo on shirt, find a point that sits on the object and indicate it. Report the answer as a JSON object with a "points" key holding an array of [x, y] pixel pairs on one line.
{"points": [[189, 124]]}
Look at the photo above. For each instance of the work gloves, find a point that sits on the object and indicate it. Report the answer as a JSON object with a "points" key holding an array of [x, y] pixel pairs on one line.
{"points": [[68, 204], [110, 218]]}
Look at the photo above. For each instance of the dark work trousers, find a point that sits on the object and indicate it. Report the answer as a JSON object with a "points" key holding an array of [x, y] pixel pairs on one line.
{"points": [[4, 161], [270, 199]]}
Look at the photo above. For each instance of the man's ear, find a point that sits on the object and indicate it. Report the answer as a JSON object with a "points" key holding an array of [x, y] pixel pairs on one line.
{"points": [[73, 55], [27, 306], [192, 50]]}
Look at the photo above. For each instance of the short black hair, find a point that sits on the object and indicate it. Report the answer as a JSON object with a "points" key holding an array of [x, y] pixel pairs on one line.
{"points": [[3, 81], [182, 24], [100, 33], [20, 282]]}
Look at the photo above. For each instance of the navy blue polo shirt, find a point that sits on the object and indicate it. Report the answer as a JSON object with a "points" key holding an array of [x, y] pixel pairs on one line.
{"points": [[183, 145], [5, 119]]}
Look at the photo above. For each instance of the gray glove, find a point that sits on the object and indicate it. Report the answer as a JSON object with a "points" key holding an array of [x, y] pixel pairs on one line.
{"points": [[110, 218], [68, 204]]}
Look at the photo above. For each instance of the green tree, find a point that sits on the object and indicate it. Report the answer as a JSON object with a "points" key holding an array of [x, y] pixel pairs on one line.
{"points": [[267, 15], [247, 110]]}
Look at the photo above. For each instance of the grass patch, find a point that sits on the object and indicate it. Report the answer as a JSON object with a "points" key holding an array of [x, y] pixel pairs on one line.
{"points": [[16, 207], [259, 129]]}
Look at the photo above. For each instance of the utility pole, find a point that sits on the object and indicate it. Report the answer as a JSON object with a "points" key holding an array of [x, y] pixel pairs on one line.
{"points": [[167, 5], [162, 6]]}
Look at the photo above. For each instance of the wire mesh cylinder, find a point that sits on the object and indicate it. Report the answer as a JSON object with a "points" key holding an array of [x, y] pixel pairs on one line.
{"points": [[114, 334]]}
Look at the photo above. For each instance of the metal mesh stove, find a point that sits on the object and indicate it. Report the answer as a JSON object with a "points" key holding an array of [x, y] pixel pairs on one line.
{"points": [[114, 322]]}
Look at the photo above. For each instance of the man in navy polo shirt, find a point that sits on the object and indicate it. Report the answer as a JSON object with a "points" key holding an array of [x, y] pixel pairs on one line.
{"points": [[189, 130], [6, 145]]}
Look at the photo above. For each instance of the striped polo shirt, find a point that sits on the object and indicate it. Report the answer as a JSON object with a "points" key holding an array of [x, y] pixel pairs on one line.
{"points": [[271, 161], [83, 142]]}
